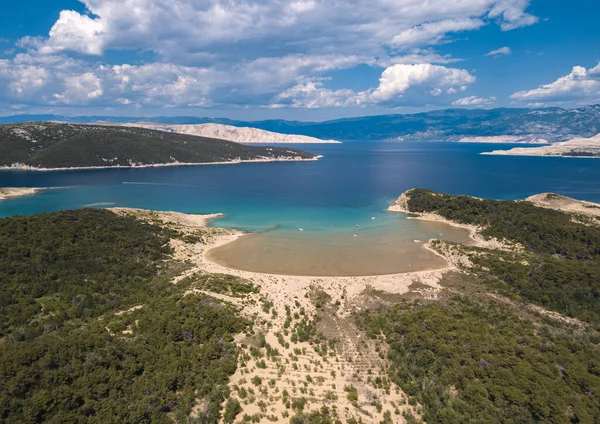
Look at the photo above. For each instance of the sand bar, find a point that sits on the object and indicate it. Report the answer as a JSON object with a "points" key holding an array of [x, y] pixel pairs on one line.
{"points": [[12, 192]]}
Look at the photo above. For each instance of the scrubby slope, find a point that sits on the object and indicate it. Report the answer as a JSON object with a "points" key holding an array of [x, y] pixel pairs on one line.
{"points": [[54, 145]]}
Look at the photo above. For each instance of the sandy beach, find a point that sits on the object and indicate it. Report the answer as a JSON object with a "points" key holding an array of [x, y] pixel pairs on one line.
{"points": [[11, 192], [357, 359], [264, 384], [474, 231]]}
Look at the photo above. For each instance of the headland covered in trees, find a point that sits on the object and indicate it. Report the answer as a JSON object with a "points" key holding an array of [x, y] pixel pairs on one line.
{"points": [[123, 317], [51, 145]]}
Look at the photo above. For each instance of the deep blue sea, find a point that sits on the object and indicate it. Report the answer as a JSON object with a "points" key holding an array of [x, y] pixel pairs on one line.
{"points": [[354, 182]]}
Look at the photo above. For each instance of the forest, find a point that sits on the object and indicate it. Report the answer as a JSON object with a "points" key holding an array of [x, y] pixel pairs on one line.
{"points": [[479, 362], [559, 265], [93, 331], [56, 145]]}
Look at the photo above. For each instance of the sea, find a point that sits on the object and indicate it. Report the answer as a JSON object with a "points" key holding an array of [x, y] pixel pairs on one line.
{"points": [[335, 202]]}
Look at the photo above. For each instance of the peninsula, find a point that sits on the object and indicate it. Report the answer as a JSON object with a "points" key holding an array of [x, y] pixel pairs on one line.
{"points": [[128, 301], [49, 145], [576, 147], [244, 135], [11, 192]]}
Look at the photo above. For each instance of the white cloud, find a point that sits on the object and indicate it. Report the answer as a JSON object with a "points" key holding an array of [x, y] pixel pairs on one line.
{"points": [[434, 32], [581, 85], [398, 83], [312, 94], [475, 101], [247, 52], [595, 71], [511, 14], [192, 31], [502, 51], [418, 84]]}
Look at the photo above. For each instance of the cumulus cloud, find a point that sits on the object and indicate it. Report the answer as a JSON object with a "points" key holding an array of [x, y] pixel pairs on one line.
{"points": [[502, 51], [418, 84], [421, 81], [185, 30], [581, 85], [474, 101], [248, 52]]}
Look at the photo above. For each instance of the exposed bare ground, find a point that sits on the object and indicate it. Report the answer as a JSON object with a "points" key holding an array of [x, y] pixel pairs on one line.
{"points": [[565, 204], [336, 365], [10, 192]]}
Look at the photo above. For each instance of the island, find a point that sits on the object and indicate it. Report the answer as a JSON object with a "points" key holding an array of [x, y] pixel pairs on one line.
{"points": [[502, 139], [574, 148], [12, 192], [124, 318], [49, 145], [244, 135]]}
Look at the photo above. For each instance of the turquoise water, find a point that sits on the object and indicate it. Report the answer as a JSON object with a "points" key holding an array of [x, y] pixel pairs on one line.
{"points": [[351, 184]]}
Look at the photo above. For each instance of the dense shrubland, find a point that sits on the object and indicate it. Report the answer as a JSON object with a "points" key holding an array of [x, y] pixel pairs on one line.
{"points": [[559, 268], [478, 362], [93, 331]]}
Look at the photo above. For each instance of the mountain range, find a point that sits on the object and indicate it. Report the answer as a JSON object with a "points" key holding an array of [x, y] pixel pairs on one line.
{"points": [[552, 124]]}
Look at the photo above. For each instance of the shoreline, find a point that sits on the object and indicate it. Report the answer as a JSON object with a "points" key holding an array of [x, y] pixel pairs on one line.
{"points": [[494, 153], [14, 192], [24, 168], [296, 294], [223, 236], [474, 231]]}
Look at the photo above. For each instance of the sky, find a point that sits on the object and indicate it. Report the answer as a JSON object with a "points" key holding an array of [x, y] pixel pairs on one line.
{"points": [[295, 59]]}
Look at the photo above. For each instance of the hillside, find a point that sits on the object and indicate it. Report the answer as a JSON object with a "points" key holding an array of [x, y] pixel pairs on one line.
{"points": [[116, 316], [236, 134], [56, 145], [558, 263], [551, 124], [92, 330], [575, 148]]}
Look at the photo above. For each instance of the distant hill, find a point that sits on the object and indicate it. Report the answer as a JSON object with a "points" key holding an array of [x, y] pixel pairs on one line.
{"points": [[576, 147], [552, 124], [56, 145], [233, 133]]}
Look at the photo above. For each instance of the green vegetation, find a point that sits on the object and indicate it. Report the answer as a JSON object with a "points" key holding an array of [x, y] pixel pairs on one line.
{"points": [[560, 266], [540, 230], [469, 362], [60, 267], [54, 145], [93, 331], [222, 284]]}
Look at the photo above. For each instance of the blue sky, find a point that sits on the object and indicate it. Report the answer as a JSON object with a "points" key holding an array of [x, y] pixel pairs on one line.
{"points": [[295, 59]]}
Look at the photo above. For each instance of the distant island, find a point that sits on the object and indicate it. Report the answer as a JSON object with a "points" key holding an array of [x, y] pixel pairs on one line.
{"points": [[576, 147], [500, 139], [551, 124], [48, 145], [237, 134]]}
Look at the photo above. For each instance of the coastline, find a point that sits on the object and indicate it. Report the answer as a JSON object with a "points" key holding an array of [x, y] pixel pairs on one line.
{"points": [[14, 192], [587, 148], [474, 231], [21, 167], [285, 294], [531, 155], [198, 254]]}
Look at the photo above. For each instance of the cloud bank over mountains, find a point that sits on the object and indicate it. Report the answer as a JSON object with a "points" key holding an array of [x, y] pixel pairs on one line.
{"points": [[581, 85], [258, 53]]}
